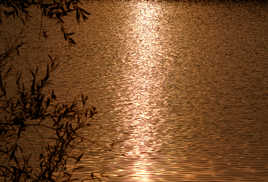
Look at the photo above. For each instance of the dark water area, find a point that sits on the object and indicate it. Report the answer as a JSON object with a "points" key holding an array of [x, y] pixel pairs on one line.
{"points": [[181, 89]]}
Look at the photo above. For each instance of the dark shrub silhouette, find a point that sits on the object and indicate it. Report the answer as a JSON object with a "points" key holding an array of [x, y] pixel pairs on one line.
{"points": [[34, 107]]}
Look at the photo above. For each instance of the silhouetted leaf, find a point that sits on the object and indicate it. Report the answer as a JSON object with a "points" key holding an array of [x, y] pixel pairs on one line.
{"points": [[58, 15], [69, 34], [71, 41], [79, 158], [77, 14]]}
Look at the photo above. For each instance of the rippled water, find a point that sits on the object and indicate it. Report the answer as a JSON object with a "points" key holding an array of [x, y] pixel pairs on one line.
{"points": [[181, 90]]}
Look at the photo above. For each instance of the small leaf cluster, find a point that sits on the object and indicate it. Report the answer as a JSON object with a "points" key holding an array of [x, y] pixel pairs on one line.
{"points": [[52, 9], [35, 106]]}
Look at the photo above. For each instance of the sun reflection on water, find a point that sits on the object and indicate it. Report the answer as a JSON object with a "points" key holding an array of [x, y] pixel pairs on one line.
{"points": [[144, 86]]}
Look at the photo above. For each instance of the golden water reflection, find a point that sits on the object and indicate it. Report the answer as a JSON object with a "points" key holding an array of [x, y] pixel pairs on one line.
{"points": [[144, 88]]}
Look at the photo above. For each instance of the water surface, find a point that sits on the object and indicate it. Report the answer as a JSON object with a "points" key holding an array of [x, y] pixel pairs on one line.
{"points": [[181, 90]]}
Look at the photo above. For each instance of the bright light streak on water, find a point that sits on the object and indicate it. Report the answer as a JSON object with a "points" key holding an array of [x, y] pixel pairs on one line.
{"points": [[143, 87]]}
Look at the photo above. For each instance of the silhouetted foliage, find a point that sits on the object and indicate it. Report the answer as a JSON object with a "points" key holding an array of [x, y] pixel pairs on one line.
{"points": [[33, 106], [52, 9]]}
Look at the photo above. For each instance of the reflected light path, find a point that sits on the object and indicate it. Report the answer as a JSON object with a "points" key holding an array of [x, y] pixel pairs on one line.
{"points": [[144, 89]]}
